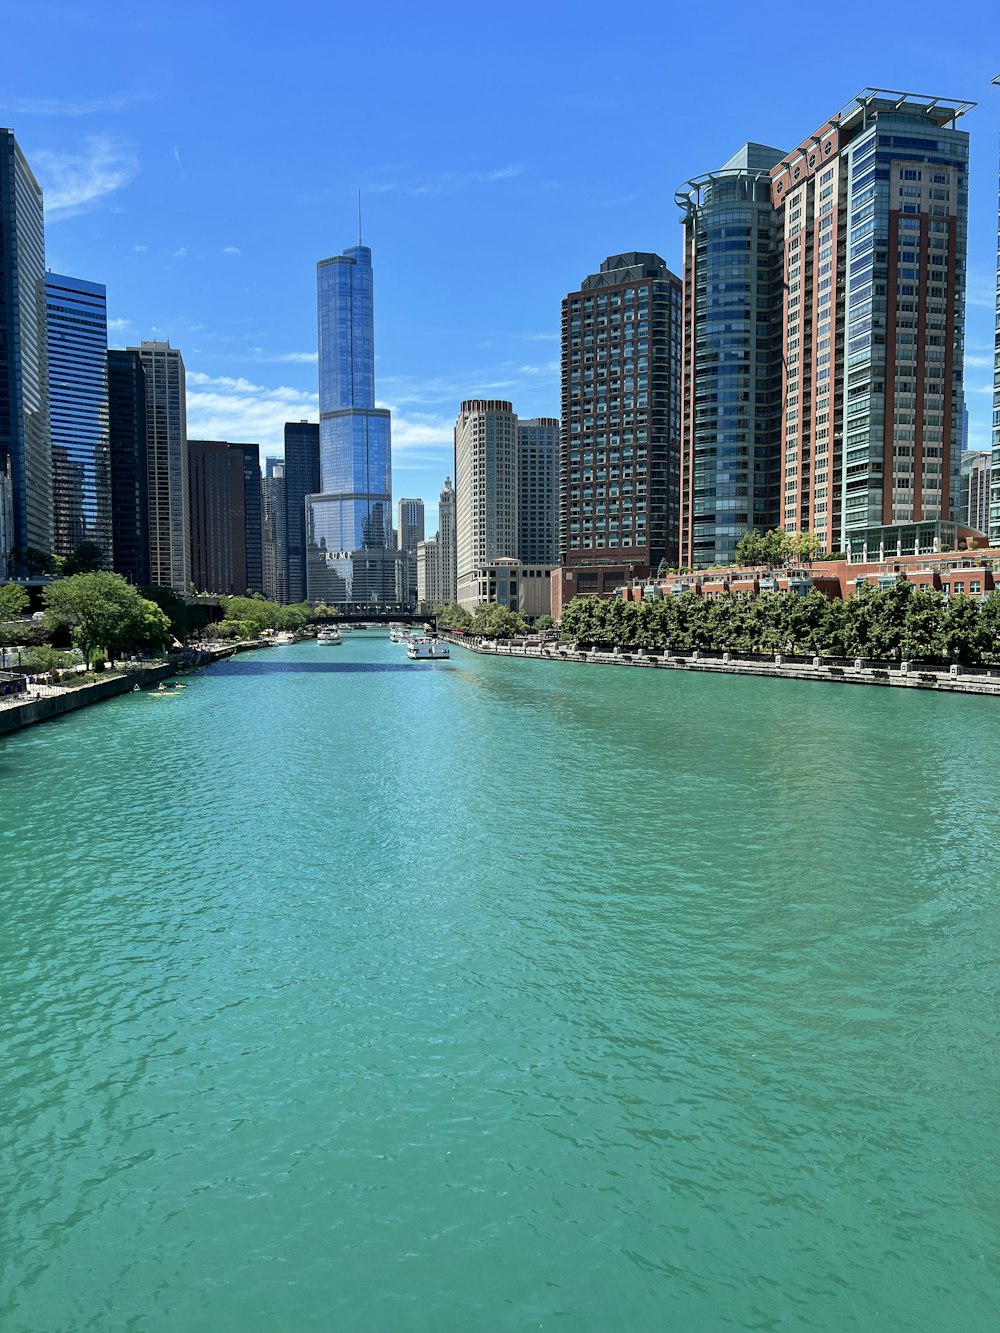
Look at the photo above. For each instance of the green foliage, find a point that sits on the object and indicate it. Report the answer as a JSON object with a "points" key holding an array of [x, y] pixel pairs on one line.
{"points": [[103, 613], [493, 621], [882, 625], [87, 558], [45, 658], [173, 606], [454, 618], [544, 622], [750, 548], [13, 601]]}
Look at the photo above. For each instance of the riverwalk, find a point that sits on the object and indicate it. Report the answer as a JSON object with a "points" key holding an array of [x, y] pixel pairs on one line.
{"points": [[954, 679], [46, 698]]}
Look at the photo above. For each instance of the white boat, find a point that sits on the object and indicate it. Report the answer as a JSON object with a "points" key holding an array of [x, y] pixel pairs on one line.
{"points": [[329, 634], [398, 635], [426, 650]]}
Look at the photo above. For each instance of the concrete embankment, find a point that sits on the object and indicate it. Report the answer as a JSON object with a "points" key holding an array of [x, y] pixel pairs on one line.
{"points": [[48, 701], [907, 675], [43, 702]]}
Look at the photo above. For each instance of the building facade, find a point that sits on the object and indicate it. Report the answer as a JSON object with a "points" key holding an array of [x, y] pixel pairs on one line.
{"points": [[428, 580], [77, 333], [976, 471], [275, 534], [538, 490], [447, 554], [994, 529], [129, 474], [874, 210], [301, 479], [486, 494], [25, 438], [619, 480], [225, 517], [731, 357], [409, 533], [166, 466], [350, 555]]}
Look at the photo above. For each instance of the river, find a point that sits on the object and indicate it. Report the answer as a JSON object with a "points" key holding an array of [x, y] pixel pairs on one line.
{"points": [[345, 993]]}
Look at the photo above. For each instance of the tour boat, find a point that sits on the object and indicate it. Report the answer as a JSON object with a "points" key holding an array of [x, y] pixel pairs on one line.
{"points": [[426, 650], [329, 635]]}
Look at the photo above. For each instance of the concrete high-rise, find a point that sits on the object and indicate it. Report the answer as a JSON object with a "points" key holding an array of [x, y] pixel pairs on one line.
{"points": [[166, 465], [620, 431], [77, 330], [129, 470], [486, 513], [874, 209], [275, 538], [447, 587], [225, 510], [409, 534], [975, 512], [731, 426], [994, 532], [350, 556], [25, 439], [301, 479], [538, 490]]}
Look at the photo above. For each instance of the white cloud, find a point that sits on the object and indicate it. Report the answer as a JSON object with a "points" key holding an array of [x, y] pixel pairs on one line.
{"points": [[140, 249], [230, 249], [975, 362], [181, 252], [420, 431], [75, 182], [177, 159], [285, 358], [53, 106], [118, 325], [445, 182], [223, 407]]}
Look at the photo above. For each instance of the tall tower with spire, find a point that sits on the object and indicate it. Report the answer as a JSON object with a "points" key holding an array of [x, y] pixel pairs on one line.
{"points": [[350, 558]]}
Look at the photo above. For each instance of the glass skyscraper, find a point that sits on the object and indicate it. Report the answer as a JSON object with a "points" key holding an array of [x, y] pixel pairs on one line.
{"points": [[350, 555], [25, 439], [77, 315]]}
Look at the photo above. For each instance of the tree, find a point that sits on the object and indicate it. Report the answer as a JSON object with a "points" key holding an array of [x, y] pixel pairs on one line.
{"points": [[493, 621], [174, 607], [663, 568], [13, 601], [87, 557], [544, 622], [804, 546], [750, 549], [964, 634], [777, 548], [102, 611], [453, 617]]}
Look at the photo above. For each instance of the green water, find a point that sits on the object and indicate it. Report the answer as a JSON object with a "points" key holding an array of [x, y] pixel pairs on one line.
{"points": [[341, 993]]}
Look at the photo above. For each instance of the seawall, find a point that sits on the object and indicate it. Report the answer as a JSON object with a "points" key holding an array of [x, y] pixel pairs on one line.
{"points": [[905, 675]]}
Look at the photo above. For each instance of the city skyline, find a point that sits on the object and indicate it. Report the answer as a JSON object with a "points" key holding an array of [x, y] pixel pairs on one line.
{"points": [[154, 190]]}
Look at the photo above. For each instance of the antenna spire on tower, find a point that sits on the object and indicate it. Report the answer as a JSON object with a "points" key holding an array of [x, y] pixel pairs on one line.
{"points": [[359, 217]]}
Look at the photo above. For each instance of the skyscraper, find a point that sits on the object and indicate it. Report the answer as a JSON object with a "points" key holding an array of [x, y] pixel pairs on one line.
{"points": [[225, 517], [538, 490], [731, 426], [620, 430], [129, 474], [976, 489], [77, 327], [409, 534], [486, 495], [275, 540], [301, 479], [874, 210], [166, 465], [995, 469], [447, 577], [25, 440], [350, 555]]}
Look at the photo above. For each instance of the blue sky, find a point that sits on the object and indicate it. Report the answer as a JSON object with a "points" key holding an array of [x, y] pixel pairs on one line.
{"points": [[199, 158]]}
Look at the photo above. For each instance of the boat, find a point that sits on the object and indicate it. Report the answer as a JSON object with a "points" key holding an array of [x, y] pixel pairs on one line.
{"points": [[426, 650], [329, 635], [398, 635]]}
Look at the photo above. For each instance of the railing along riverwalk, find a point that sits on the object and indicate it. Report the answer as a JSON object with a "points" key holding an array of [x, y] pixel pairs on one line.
{"points": [[955, 679]]}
